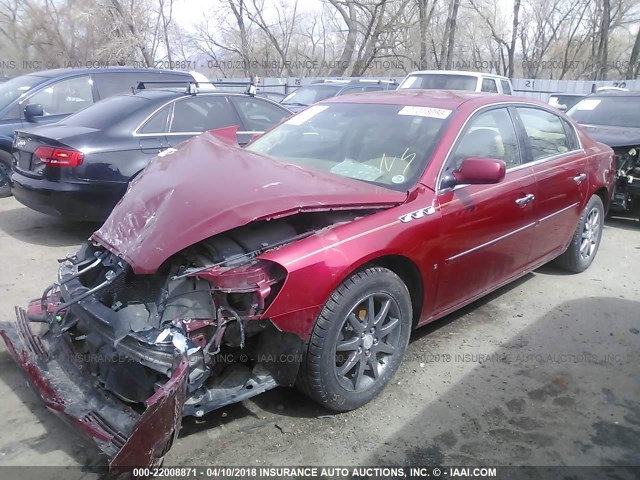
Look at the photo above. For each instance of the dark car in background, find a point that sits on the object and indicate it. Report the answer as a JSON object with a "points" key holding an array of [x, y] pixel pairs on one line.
{"points": [[612, 117], [321, 90], [80, 168], [49, 96]]}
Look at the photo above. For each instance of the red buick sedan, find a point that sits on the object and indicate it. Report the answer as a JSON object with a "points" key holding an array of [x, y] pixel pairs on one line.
{"points": [[305, 258]]}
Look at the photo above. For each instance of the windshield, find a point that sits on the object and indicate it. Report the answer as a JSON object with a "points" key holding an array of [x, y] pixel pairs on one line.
{"points": [[310, 95], [14, 88], [387, 145], [439, 81], [107, 112], [618, 111]]}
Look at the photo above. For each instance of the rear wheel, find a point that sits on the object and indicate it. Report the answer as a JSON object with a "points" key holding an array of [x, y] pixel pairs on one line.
{"points": [[586, 239], [358, 341], [5, 171]]}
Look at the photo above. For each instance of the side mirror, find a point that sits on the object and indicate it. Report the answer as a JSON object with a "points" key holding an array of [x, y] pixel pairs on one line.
{"points": [[33, 110], [476, 171]]}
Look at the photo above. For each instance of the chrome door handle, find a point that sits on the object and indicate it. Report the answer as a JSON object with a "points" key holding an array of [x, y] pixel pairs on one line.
{"points": [[580, 178], [530, 197]]}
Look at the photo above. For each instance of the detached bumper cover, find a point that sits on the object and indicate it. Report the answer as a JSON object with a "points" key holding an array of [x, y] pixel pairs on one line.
{"points": [[128, 438]]}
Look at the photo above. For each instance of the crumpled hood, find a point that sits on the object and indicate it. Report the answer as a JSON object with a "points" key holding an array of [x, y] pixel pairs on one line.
{"points": [[614, 136], [207, 186]]}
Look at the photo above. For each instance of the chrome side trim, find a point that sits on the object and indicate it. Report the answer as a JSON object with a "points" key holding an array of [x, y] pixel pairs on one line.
{"points": [[573, 205], [490, 242]]}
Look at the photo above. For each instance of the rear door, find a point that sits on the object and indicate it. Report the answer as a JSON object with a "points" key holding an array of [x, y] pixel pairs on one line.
{"points": [[193, 115], [560, 168], [487, 229]]}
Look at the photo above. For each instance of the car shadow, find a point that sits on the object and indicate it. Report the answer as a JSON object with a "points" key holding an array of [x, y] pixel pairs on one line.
{"points": [[546, 397], [623, 223], [37, 228]]}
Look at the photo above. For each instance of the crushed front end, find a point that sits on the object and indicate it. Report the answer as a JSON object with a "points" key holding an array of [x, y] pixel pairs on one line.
{"points": [[123, 356], [627, 190]]}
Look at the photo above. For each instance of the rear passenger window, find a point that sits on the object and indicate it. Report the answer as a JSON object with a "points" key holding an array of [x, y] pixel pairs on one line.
{"points": [[258, 115], [489, 135], [506, 87], [546, 133], [571, 135], [158, 122], [201, 113], [489, 85]]}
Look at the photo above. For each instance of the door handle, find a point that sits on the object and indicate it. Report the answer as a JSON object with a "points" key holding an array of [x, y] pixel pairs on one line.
{"points": [[580, 178], [530, 197]]}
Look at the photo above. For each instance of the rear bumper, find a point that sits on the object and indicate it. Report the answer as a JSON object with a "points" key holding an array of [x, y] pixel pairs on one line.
{"points": [[77, 201], [128, 438]]}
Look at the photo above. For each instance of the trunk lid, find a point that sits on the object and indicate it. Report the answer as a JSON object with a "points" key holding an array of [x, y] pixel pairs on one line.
{"points": [[27, 142], [207, 186]]}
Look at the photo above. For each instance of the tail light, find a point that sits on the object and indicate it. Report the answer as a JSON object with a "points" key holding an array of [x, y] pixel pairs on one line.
{"points": [[59, 157]]}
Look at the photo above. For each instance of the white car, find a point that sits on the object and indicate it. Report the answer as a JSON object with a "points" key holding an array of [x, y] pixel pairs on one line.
{"points": [[456, 80]]}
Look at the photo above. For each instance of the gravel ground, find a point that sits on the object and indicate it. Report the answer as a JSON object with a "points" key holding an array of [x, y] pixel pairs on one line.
{"points": [[542, 372]]}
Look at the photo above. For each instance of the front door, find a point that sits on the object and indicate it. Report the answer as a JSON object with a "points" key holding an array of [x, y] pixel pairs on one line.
{"points": [[487, 230]]}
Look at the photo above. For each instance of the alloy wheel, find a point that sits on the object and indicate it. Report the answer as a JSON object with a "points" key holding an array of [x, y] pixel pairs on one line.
{"points": [[369, 337], [590, 234]]}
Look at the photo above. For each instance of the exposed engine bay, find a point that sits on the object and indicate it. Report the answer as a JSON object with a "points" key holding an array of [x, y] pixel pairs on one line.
{"points": [[627, 189], [205, 302]]}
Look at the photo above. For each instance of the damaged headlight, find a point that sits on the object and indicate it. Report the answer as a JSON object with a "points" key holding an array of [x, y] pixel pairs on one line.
{"points": [[248, 287]]}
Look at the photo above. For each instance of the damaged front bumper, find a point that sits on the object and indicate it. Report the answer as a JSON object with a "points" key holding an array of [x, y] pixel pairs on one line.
{"points": [[124, 383], [128, 437]]}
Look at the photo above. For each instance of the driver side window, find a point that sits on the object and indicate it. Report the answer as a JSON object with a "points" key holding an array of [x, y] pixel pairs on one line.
{"points": [[488, 135]]}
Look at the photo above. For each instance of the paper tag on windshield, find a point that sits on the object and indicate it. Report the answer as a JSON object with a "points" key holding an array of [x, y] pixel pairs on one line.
{"points": [[306, 115], [588, 104], [429, 112]]}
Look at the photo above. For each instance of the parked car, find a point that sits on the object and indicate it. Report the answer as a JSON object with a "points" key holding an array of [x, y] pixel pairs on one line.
{"points": [[564, 101], [305, 258], [323, 89], [611, 117], [79, 168], [49, 96], [456, 80]]}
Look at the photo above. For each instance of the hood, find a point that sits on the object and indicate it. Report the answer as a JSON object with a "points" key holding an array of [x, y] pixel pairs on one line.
{"points": [[207, 186], [614, 136]]}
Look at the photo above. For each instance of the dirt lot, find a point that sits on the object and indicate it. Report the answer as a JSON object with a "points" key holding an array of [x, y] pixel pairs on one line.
{"points": [[542, 372]]}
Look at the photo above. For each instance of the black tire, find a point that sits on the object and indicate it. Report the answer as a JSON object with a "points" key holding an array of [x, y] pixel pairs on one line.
{"points": [[586, 239], [5, 171], [374, 344]]}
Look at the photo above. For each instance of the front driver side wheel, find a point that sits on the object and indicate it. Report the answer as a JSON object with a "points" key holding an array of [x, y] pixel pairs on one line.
{"points": [[586, 239], [358, 340]]}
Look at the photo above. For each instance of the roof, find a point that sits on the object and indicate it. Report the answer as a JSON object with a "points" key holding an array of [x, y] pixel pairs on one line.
{"points": [[61, 72], [449, 99], [457, 72]]}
